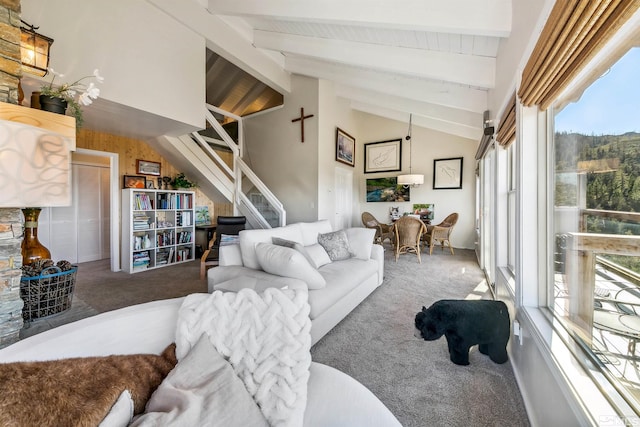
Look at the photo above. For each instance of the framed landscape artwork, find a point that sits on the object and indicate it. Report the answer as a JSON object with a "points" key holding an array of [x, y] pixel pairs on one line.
{"points": [[447, 173], [383, 156], [386, 190], [345, 147]]}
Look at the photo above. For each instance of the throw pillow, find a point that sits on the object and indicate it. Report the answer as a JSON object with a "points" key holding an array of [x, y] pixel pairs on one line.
{"points": [[283, 242], [361, 241], [316, 255], [230, 255], [288, 262], [202, 390], [78, 391], [121, 412], [229, 239], [336, 245]]}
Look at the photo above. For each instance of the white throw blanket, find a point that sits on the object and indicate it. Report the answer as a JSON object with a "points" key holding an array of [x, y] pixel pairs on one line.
{"points": [[266, 338]]}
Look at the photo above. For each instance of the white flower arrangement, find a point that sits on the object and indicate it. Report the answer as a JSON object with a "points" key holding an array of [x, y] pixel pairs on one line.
{"points": [[68, 92]]}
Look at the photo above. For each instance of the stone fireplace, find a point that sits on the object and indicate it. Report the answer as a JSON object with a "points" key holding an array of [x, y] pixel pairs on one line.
{"points": [[25, 131], [11, 220]]}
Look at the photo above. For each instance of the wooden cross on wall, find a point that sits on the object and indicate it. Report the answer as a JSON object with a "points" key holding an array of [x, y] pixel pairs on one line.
{"points": [[301, 120]]}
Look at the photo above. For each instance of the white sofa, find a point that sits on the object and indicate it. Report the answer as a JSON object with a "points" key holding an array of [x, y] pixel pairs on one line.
{"points": [[348, 282], [333, 398]]}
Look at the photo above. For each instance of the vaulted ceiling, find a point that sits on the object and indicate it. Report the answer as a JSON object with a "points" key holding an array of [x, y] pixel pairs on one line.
{"points": [[433, 58]]}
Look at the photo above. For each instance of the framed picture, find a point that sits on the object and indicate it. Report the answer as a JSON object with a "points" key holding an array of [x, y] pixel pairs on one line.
{"points": [[425, 210], [202, 215], [447, 173], [146, 167], [345, 147], [387, 190], [133, 181], [150, 185], [383, 156]]}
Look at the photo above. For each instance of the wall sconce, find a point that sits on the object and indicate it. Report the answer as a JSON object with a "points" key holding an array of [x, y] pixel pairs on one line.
{"points": [[410, 179], [34, 50]]}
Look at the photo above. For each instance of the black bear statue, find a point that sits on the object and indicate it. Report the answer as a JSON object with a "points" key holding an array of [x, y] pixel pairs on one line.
{"points": [[465, 323]]}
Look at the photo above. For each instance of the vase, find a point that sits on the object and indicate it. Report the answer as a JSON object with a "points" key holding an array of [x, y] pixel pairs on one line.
{"points": [[53, 104], [32, 249]]}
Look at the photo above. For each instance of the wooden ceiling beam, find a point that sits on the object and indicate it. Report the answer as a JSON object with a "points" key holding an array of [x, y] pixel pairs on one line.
{"points": [[426, 122], [488, 18], [470, 70], [436, 112], [430, 91]]}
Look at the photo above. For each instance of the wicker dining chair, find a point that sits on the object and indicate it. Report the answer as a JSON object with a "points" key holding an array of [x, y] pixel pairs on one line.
{"points": [[408, 232], [383, 231], [441, 233]]}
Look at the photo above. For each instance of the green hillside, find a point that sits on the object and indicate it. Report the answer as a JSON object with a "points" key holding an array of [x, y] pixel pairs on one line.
{"points": [[612, 165]]}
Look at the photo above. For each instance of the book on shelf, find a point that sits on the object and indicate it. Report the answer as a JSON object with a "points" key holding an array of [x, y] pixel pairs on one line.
{"points": [[142, 201], [184, 237], [183, 219], [141, 260]]}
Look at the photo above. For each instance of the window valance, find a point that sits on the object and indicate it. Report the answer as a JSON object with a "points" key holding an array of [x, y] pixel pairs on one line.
{"points": [[575, 31], [507, 127]]}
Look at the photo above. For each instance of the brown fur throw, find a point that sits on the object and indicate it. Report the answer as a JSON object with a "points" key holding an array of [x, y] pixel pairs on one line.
{"points": [[79, 391]]}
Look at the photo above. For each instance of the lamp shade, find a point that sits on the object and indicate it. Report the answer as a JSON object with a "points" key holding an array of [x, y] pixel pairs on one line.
{"points": [[411, 179]]}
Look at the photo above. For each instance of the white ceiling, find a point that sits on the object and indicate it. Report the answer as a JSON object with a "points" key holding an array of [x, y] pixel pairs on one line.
{"points": [[433, 58]]}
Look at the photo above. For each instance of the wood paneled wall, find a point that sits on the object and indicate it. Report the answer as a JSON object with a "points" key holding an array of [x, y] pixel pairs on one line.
{"points": [[130, 150]]}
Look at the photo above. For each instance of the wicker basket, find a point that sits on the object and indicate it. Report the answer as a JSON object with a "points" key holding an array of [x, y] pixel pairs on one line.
{"points": [[48, 294]]}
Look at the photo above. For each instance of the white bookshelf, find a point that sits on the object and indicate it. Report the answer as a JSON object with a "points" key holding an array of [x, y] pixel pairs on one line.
{"points": [[158, 228]]}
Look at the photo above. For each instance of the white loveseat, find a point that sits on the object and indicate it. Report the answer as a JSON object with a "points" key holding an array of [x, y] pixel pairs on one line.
{"points": [[333, 398], [347, 282]]}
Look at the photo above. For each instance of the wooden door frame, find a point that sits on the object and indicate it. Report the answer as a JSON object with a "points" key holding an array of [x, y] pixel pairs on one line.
{"points": [[114, 203]]}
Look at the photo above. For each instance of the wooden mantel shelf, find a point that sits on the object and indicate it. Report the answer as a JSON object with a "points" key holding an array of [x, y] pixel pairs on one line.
{"points": [[63, 125]]}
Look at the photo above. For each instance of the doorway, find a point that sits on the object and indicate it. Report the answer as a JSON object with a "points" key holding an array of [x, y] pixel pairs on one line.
{"points": [[343, 198], [88, 230]]}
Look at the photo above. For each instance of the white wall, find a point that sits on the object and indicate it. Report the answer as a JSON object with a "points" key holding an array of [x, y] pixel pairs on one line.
{"points": [[427, 146], [150, 62], [527, 22], [334, 113], [274, 151]]}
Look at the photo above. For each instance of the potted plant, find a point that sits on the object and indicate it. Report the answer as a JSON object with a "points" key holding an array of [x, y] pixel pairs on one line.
{"points": [[57, 98], [180, 181]]}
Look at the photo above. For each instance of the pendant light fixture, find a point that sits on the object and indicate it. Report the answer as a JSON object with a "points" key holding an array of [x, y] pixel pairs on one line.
{"points": [[410, 179]]}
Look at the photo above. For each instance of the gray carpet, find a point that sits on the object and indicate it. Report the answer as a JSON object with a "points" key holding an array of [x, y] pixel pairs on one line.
{"points": [[413, 377], [374, 344]]}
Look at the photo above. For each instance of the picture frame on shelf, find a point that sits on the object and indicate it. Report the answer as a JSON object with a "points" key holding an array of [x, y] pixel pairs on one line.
{"points": [[147, 167], [150, 185], [383, 156], [447, 173], [345, 148], [134, 181]]}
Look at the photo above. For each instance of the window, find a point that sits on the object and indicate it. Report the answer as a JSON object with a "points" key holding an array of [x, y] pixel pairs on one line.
{"points": [[511, 207], [596, 223]]}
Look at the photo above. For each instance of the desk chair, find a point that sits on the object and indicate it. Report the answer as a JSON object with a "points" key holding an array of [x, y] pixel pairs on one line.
{"points": [[227, 225]]}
